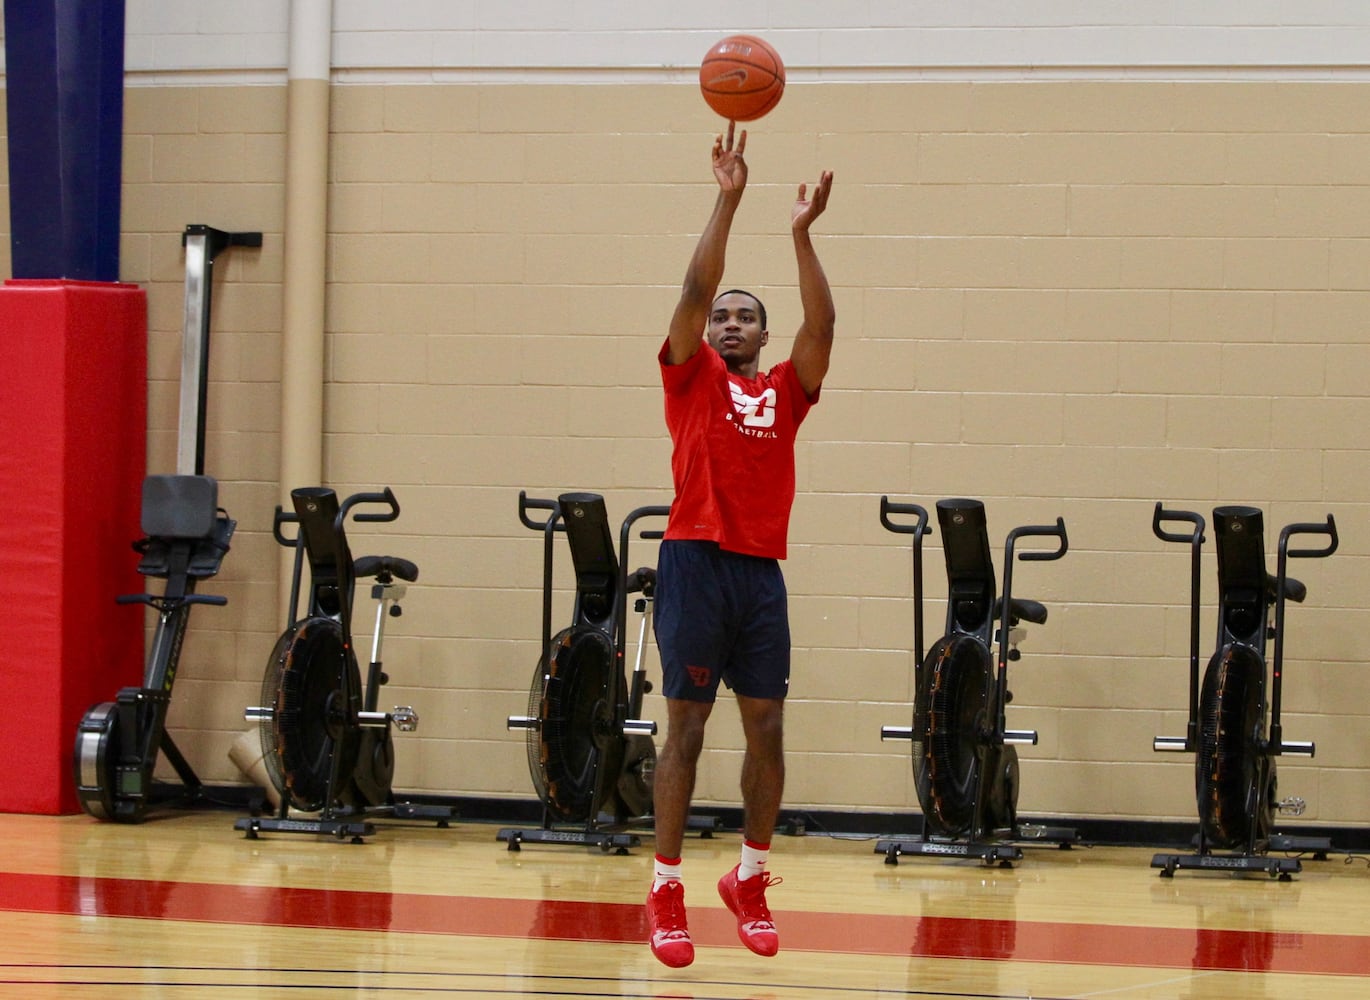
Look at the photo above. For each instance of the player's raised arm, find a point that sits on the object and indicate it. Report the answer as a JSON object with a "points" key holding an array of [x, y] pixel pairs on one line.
{"points": [[813, 343], [706, 266]]}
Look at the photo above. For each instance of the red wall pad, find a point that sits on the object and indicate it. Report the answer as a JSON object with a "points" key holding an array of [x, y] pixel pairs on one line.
{"points": [[73, 452]]}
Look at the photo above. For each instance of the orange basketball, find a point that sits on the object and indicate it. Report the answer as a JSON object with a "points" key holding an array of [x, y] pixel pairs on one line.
{"points": [[742, 78]]}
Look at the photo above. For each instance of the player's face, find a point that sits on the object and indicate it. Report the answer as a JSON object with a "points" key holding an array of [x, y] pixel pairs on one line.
{"points": [[735, 330]]}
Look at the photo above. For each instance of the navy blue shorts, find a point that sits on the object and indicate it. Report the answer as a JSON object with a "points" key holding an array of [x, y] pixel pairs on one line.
{"points": [[720, 616]]}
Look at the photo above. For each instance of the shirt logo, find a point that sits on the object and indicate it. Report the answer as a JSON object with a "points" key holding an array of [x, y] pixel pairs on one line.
{"points": [[756, 411]]}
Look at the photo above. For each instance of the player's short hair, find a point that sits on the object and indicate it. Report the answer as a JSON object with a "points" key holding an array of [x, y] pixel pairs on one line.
{"points": [[760, 306]]}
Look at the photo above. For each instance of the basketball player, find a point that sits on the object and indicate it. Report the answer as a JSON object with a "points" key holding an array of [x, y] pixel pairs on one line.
{"points": [[721, 606]]}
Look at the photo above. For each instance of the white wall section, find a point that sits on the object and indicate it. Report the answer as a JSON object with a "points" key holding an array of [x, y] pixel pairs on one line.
{"points": [[522, 40]]}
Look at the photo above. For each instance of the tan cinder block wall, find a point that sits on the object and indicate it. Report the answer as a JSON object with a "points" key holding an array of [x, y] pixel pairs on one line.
{"points": [[1068, 299]]}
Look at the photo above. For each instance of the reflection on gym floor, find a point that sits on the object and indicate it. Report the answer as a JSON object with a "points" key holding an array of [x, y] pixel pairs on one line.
{"points": [[184, 902]]}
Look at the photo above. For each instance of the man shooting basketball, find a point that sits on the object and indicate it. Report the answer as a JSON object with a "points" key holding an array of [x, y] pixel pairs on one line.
{"points": [[721, 605]]}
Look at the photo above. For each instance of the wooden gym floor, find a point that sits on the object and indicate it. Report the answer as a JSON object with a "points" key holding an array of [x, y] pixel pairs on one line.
{"points": [[186, 906]]}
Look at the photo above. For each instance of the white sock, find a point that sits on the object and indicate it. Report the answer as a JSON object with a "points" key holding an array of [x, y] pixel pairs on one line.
{"points": [[667, 870], [753, 860]]}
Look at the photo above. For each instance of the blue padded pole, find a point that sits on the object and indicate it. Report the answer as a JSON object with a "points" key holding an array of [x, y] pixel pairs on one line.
{"points": [[64, 67]]}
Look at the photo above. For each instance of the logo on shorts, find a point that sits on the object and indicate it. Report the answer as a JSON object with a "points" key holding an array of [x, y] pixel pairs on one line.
{"points": [[700, 675]]}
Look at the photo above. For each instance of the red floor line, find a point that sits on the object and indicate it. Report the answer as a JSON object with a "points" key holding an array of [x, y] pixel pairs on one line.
{"points": [[710, 924]]}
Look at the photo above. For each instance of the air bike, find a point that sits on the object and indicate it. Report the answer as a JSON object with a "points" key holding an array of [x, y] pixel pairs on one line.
{"points": [[965, 765], [1234, 725], [590, 753], [325, 744]]}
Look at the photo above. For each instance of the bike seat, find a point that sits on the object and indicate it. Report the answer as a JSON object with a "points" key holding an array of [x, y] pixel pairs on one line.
{"points": [[1294, 590], [1021, 609], [390, 565], [642, 579]]}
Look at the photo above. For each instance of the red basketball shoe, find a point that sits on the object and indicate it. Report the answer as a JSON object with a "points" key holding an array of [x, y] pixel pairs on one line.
{"points": [[669, 935], [747, 900]]}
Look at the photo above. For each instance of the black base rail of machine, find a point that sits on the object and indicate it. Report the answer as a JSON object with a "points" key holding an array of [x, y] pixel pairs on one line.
{"points": [[325, 744], [965, 761], [1234, 726], [590, 753]]}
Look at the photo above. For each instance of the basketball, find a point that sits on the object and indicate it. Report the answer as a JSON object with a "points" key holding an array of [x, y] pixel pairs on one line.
{"points": [[742, 78]]}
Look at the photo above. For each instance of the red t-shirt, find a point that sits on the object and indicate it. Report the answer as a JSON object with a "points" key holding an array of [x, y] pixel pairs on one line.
{"points": [[733, 460]]}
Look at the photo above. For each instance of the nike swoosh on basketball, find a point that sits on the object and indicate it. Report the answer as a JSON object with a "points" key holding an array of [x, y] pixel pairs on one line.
{"points": [[737, 73]]}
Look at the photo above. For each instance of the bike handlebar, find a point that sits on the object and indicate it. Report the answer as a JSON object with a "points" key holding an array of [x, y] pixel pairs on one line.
{"points": [[1329, 529], [1161, 514], [283, 517], [888, 507], [1057, 530], [154, 601], [640, 580], [652, 510], [385, 496], [527, 503]]}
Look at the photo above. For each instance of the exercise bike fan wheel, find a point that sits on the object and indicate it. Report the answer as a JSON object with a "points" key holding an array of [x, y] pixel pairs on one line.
{"points": [[1228, 768], [574, 745], [304, 683], [950, 723]]}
